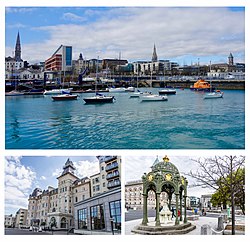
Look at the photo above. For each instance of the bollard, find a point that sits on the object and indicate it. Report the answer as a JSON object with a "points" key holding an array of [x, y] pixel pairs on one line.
{"points": [[205, 229], [220, 223]]}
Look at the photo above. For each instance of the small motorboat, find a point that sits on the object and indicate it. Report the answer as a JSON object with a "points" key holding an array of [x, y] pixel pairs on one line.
{"points": [[117, 89], [136, 94], [211, 95], [14, 93], [129, 89], [98, 99], [64, 97], [168, 91], [153, 97], [57, 91]]}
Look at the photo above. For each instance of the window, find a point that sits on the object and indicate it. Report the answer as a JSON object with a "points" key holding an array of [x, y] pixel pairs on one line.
{"points": [[97, 217], [76, 199], [115, 213], [82, 219]]}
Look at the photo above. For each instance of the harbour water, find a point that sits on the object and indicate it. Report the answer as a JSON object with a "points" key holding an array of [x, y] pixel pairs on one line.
{"points": [[185, 121]]}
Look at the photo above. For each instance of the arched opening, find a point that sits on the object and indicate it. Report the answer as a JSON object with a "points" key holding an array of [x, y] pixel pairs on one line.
{"points": [[63, 223]]}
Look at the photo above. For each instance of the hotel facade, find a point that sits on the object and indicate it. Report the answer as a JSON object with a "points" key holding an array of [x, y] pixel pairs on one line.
{"points": [[88, 203]]}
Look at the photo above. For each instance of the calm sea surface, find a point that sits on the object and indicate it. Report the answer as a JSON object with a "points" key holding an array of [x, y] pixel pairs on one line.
{"points": [[185, 121]]}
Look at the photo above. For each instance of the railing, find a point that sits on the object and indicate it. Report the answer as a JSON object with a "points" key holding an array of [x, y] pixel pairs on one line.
{"points": [[112, 166]]}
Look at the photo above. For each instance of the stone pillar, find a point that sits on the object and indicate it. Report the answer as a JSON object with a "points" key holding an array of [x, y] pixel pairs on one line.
{"points": [[185, 209], [180, 206], [157, 223], [145, 209], [177, 208]]}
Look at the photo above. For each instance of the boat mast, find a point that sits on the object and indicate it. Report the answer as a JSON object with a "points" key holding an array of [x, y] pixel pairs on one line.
{"points": [[96, 76]]}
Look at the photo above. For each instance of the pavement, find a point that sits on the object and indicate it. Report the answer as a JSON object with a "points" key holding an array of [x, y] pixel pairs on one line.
{"points": [[211, 221]]}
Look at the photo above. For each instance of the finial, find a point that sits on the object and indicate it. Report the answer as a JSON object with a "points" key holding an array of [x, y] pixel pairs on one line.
{"points": [[165, 158]]}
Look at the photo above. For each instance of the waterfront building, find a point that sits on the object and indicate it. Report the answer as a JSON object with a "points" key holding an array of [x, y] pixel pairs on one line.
{"points": [[21, 218], [206, 201], [58, 207], [61, 60], [102, 211], [9, 221], [154, 67]]}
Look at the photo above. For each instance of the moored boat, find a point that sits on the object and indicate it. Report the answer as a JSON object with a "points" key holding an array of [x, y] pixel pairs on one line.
{"points": [[168, 91], [57, 91], [153, 97], [64, 97], [117, 89], [211, 95], [201, 85], [129, 89], [98, 99], [14, 93], [136, 94]]}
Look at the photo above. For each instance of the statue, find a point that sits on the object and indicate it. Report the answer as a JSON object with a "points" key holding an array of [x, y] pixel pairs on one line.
{"points": [[165, 214]]}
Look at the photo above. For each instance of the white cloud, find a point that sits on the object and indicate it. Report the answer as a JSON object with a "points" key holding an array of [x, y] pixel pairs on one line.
{"points": [[43, 178], [73, 17], [19, 179], [177, 32], [86, 168], [57, 172]]}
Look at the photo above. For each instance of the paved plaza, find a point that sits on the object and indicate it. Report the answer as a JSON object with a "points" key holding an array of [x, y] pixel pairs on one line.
{"points": [[211, 221]]}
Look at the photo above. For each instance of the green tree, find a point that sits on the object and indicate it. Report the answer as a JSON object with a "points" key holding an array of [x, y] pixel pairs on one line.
{"points": [[222, 196], [226, 175]]}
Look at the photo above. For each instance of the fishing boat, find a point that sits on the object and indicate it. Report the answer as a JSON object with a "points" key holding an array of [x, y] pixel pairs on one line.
{"points": [[64, 97], [168, 91], [153, 97], [98, 98], [57, 91], [212, 95], [201, 85]]}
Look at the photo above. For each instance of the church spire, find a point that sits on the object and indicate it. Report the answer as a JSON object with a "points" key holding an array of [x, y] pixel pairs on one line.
{"points": [[18, 48], [154, 57]]}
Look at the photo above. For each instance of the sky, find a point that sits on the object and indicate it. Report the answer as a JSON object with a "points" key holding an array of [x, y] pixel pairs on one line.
{"points": [[136, 166], [24, 174], [187, 35]]}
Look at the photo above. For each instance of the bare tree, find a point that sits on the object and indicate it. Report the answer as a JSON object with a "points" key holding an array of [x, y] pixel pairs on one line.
{"points": [[218, 173]]}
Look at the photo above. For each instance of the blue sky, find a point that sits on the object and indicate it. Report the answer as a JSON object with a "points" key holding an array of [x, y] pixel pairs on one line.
{"points": [[183, 34], [24, 174]]}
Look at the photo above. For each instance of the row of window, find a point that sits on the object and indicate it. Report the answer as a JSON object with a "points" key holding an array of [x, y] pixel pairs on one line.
{"points": [[96, 216]]}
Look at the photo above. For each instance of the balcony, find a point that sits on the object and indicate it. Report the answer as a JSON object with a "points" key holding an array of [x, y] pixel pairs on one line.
{"points": [[107, 159], [114, 183], [113, 175], [111, 166]]}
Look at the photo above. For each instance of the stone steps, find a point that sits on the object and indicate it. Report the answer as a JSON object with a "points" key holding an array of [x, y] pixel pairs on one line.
{"points": [[164, 230]]}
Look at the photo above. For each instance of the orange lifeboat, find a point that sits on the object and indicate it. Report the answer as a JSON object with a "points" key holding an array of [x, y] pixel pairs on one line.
{"points": [[201, 85]]}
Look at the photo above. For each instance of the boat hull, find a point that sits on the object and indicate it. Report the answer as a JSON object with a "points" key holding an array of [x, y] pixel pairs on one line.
{"points": [[64, 97], [153, 98], [213, 96], [98, 100], [202, 89], [119, 89], [168, 92]]}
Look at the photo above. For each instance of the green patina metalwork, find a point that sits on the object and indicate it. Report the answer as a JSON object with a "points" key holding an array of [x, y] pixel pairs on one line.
{"points": [[165, 177]]}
